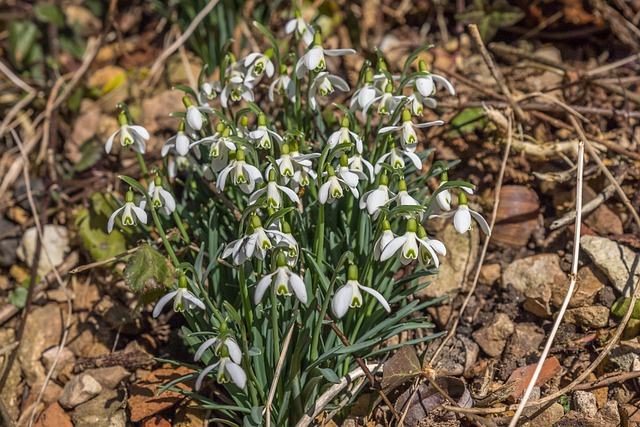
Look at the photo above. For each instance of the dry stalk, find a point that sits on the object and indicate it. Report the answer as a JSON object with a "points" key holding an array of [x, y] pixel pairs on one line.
{"points": [[572, 285], [276, 377]]}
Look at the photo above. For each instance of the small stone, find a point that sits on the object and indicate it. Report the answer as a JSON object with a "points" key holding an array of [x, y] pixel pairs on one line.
{"points": [[625, 355], [603, 220], [610, 413], [190, 414], [493, 338], [615, 260], [110, 377], [548, 417], [462, 250], [79, 390], [525, 340], [8, 245], [575, 419], [590, 282], [585, 402], [532, 272], [521, 376], [52, 393], [489, 274], [537, 301], [49, 357], [155, 421], [105, 410], [55, 243], [54, 416], [592, 317], [43, 329]]}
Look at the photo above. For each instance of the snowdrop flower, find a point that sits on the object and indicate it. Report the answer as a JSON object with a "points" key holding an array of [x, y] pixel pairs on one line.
{"points": [[462, 217], [384, 239], [160, 197], [409, 137], [324, 84], [426, 252], [258, 64], [425, 84], [300, 27], [182, 297], [284, 280], [221, 149], [395, 158], [282, 85], [257, 243], [195, 115], [129, 135], [273, 190], [373, 200], [314, 60], [381, 79], [408, 246], [349, 295], [364, 95], [331, 190], [228, 367], [218, 342], [241, 174], [350, 176], [357, 162], [262, 136], [208, 91], [443, 198], [236, 91], [288, 243], [129, 213], [295, 166], [345, 136], [387, 102], [404, 199], [242, 129], [180, 141]]}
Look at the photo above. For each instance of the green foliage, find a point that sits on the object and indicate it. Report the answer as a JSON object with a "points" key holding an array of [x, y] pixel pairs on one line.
{"points": [[621, 306], [490, 16], [147, 271], [92, 225]]}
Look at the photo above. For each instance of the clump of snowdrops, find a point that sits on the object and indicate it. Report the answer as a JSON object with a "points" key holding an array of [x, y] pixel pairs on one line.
{"points": [[293, 213]]}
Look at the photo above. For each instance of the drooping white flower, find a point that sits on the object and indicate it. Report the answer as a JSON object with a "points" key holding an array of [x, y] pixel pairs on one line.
{"points": [[129, 213], [443, 197], [160, 197], [425, 83], [282, 85], [408, 246], [237, 86], [395, 158], [263, 136], [403, 198], [314, 59], [409, 136], [381, 79], [272, 190], [182, 297], [374, 199], [302, 29], [365, 94], [195, 114], [228, 366], [349, 175], [257, 243], [345, 136], [357, 162], [384, 239], [287, 243], [325, 84], [180, 141], [387, 102], [241, 174], [462, 216], [284, 281], [332, 189], [349, 295], [217, 343], [258, 64], [208, 91], [426, 254], [294, 165], [130, 135]]}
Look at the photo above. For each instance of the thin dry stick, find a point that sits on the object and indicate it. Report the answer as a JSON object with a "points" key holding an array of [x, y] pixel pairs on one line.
{"points": [[572, 285], [15, 79], [483, 253], [180, 40], [495, 72], [276, 377]]}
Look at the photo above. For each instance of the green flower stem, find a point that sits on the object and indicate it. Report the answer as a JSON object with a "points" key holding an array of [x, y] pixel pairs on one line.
{"points": [[180, 225], [275, 325], [246, 301], [253, 391], [319, 242], [143, 167], [163, 235]]}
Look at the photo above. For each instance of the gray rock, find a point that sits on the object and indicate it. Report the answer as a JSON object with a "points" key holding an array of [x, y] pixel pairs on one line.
{"points": [[618, 262], [585, 403], [626, 355], [493, 338], [79, 390], [525, 340], [42, 330], [578, 419], [537, 301], [610, 413], [105, 410], [548, 417], [8, 246], [592, 317], [110, 377], [55, 247], [532, 272], [462, 251], [49, 356]]}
